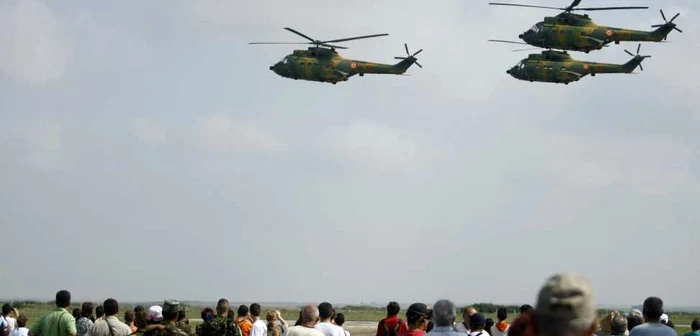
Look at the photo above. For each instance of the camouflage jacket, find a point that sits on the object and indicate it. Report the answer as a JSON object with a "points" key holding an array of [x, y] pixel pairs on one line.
{"points": [[185, 327], [219, 326], [171, 329]]}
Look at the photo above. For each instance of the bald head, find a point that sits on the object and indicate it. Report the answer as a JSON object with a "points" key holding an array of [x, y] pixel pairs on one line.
{"points": [[309, 315]]}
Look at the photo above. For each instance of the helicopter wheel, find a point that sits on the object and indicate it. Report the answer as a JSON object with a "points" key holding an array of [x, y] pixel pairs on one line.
{"points": [[362, 75]]}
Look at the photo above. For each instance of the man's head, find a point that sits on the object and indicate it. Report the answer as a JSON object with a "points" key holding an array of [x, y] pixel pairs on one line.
{"points": [[526, 308], [393, 308], [502, 314], [222, 307], [99, 311], [634, 320], [444, 313], [129, 316], [255, 310], [418, 316], [695, 325], [6, 309], [340, 319], [63, 299], [87, 309], [22, 321], [171, 309], [565, 305], [138, 309], [325, 311], [653, 309], [477, 322], [242, 311], [111, 307], [309, 315], [618, 325]]}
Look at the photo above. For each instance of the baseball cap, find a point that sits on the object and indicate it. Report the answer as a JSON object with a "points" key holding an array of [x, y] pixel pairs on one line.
{"points": [[419, 308], [565, 301], [171, 306], [664, 318], [155, 313], [477, 319]]}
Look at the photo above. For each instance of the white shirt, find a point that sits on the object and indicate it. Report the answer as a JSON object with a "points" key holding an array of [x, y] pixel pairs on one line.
{"points": [[11, 323], [101, 329], [483, 333], [259, 328], [20, 332], [461, 328], [330, 329], [303, 331], [652, 329]]}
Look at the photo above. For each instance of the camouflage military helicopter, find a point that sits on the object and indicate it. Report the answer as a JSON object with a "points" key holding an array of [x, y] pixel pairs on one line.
{"points": [[568, 31], [559, 67], [321, 64]]}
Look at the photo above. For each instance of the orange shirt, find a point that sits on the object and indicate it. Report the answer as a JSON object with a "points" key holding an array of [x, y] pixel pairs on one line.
{"points": [[245, 324]]}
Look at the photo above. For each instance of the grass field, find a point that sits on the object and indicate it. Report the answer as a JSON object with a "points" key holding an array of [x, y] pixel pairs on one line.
{"points": [[353, 316]]}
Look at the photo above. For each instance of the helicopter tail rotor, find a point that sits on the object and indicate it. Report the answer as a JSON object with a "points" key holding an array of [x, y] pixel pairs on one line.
{"points": [[637, 60], [669, 23], [412, 58]]}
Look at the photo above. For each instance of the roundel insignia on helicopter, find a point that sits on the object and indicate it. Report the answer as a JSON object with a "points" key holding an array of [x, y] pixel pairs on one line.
{"points": [[353, 65], [609, 33], [586, 66]]}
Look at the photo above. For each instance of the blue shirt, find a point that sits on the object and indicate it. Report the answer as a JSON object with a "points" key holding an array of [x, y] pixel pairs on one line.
{"points": [[653, 329], [445, 331], [693, 333]]}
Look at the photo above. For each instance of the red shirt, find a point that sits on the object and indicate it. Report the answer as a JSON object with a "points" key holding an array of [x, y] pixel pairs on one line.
{"points": [[391, 324], [414, 332]]}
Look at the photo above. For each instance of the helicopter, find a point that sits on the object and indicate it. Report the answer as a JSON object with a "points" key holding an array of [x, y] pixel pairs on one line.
{"points": [[322, 63], [576, 32], [553, 66]]}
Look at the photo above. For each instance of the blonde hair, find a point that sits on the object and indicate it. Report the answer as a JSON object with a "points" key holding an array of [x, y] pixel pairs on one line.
{"points": [[271, 325]]}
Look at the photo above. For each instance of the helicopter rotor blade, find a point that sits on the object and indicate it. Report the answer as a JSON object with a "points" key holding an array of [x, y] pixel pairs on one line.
{"points": [[676, 28], [418, 64], [355, 38], [629, 53], [674, 17], [417, 52], [300, 34], [401, 58], [657, 25], [641, 67], [519, 5], [526, 49], [662, 14], [406, 46], [609, 8], [511, 42], [333, 46], [277, 43]]}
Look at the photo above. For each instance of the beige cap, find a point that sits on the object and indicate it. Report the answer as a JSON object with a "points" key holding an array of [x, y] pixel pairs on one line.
{"points": [[565, 303]]}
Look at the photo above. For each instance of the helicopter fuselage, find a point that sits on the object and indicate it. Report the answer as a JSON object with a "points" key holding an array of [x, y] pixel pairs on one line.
{"points": [[579, 33], [325, 65]]}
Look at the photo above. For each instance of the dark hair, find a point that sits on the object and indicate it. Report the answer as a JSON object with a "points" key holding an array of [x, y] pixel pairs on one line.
{"points": [[21, 321], [181, 315], [393, 308], [138, 309], [87, 309], [170, 315], [633, 321], [430, 326], [340, 319], [488, 325], [62, 298], [524, 325], [255, 309], [526, 308], [242, 310], [140, 320], [206, 311], [6, 309], [325, 310], [298, 322], [129, 316], [695, 325], [653, 307], [222, 306], [111, 307], [502, 314], [76, 313], [99, 311]]}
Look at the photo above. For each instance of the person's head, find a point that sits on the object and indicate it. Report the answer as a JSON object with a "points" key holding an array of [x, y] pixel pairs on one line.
{"points": [[140, 320], [477, 322], [21, 321], [138, 309], [171, 308], [523, 325], [6, 309], [255, 310], [242, 311], [111, 307], [444, 313], [418, 316], [181, 315], [489, 324], [76, 313], [393, 308], [526, 308], [653, 309], [618, 325], [271, 316], [565, 306], [87, 309], [309, 315], [207, 313], [154, 315], [129, 317], [222, 307], [325, 311], [340, 319], [695, 325], [502, 314], [634, 320], [99, 311], [62, 299]]}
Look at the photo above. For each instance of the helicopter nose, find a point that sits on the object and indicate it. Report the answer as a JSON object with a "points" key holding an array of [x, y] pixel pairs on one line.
{"points": [[272, 67], [521, 36], [508, 71]]}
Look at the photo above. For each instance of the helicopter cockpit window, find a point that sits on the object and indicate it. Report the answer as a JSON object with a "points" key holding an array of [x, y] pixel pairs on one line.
{"points": [[285, 60], [536, 28]]}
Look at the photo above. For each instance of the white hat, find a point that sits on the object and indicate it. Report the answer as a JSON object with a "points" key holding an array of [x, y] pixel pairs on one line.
{"points": [[155, 313], [664, 318]]}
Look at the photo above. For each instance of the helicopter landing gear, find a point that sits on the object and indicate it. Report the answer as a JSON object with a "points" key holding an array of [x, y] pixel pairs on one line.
{"points": [[362, 74]]}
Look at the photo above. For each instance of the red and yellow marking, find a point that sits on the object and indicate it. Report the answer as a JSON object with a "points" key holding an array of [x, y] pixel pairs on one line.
{"points": [[586, 66], [609, 33], [353, 65]]}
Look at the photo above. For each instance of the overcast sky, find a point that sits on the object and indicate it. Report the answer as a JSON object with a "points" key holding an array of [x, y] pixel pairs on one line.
{"points": [[147, 151]]}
